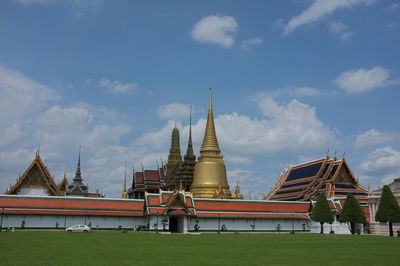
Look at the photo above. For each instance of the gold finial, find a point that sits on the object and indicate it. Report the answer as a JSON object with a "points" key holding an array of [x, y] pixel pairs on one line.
{"points": [[327, 154], [38, 151], [334, 156], [210, 142], [344, 154]]}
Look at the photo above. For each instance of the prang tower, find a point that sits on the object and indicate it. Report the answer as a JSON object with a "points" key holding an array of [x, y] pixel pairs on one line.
{"points": [[209, 179]]}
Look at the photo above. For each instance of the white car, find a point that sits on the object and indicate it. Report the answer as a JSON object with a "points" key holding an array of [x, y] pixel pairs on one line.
{"points": [[78, 228]]}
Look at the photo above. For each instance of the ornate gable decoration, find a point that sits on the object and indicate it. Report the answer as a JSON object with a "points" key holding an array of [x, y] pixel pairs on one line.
{"points": [[36, 176], [169, 203]]}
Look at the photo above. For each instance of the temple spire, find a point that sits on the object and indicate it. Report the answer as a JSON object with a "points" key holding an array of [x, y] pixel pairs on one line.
{"points": [[78, 176], [189, 151], [125, 179], [124, 194], [209, 179], [210, 142], [175, 149]]}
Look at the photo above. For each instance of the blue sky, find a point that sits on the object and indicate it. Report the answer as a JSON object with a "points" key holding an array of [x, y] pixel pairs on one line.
{"points": [[290, 79]]}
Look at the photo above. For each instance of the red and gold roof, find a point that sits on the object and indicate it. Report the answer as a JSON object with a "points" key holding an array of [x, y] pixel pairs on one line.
{"points": [[304, 181]]}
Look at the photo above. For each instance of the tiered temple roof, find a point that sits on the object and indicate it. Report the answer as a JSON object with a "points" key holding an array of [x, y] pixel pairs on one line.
{"points": [[174, 158], [305, 181], [184, 175], [36, 178], [77, 188], [146, 180]]}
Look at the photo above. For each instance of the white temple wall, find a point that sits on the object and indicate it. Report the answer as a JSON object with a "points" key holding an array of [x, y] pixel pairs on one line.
{"points": [[50, 221], [33, 192], [247, 224], [336, 227], [185, 223]]}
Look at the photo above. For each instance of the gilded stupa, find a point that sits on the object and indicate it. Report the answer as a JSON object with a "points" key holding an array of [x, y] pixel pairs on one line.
{"points": [[209, 179]]}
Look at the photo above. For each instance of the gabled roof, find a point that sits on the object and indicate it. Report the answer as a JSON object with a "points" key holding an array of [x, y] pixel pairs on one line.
{"points": [[63, 185], [170, 202], [147, 179], [305, 181], [36, 176]]}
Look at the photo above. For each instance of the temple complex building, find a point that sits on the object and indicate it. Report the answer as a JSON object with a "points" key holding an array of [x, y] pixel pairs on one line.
{"points": [[150, 181], [184, 195], [210, 179], [36, 180], [305, 181], [174, 211]]}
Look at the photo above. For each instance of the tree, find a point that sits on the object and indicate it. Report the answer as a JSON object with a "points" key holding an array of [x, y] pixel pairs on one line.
{"points": [[322, 212], [352, 212], [388, 209]]}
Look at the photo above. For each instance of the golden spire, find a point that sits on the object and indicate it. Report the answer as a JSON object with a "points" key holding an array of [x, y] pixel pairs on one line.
{"points": [[210, 142], [209, 178], [124, 194], [125, 179]]}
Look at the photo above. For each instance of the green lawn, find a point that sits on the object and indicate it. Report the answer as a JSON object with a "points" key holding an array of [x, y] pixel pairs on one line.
{"points": [[107, 248]]}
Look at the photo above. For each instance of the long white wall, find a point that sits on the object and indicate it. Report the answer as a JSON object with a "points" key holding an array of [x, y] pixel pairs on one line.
{"points": [[185, 223], [212, 224], [51, 221], [248, 224]]}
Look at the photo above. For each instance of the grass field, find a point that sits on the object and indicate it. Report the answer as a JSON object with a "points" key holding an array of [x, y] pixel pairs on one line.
{"points": [[116, 248]]}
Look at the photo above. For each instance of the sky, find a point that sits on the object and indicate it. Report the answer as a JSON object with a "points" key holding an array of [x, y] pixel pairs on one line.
{"points": [[291, 80]]}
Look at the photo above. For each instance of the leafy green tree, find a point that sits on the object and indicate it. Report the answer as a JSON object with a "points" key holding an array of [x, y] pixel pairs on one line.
{"points": [[322, 212], [388, 209], [352, 212]]}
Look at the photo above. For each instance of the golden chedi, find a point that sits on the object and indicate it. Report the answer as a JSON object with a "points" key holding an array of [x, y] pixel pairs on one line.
{"points": [[209, 179]]}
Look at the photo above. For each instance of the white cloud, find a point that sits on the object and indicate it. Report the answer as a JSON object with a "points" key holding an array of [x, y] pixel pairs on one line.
{"points": [[393, 26], [319, 9], [215, 29], [292, 126], [79, 7], [382, 165], [174, 111], [251, 185], [306, 91], [361, 80], [373, 137], [238, 159], [248, 44], [394, 6], [116, 86], [36, 2], [30, 118], [286, 127], [340, 29], [21, 95]]}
